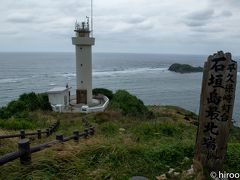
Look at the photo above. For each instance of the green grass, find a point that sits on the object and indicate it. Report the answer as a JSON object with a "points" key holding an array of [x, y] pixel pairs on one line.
{"points": [[122, 147]]}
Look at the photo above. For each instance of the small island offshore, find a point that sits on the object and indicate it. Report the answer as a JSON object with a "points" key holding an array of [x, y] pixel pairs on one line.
{"points": [[184, 68], [130, 139]]}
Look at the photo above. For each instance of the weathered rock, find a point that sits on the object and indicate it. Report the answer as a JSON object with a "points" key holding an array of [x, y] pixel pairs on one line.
{"points": [[162, 177], [171, 170], [186, 159], [184, 68], [122, 129], [176, 173]]}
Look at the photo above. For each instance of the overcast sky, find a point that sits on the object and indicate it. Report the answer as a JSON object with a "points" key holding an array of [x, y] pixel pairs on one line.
{"points": [[141, 26]]}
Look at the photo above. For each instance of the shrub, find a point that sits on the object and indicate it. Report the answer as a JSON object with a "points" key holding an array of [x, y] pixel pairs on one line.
{"points": [[109, 129], [233, 158], [16, 124], [26, 102], [103, 91], [30, 100], [102, 117], [128, 104], [4, 113], [44, 102], [149, 131]]}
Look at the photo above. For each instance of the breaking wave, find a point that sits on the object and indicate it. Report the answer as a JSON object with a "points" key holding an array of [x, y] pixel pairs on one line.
{"points": [[128, 71], [11, 80], [118, 72]]}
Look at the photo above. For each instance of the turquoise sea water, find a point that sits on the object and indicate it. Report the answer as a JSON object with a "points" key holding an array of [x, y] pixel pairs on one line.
{"points": [[144, 75]]}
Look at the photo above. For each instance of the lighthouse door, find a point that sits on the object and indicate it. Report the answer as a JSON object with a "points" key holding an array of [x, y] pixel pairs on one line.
{"points": [[81, 96]]}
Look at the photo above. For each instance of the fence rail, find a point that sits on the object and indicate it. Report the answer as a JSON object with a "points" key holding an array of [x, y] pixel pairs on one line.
{"points": [[24, 150], [22, 134]]}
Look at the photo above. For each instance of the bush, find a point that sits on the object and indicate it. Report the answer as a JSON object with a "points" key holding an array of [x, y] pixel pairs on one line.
{"points": [[26, 102], [16, 124], [147, 131], [233, 158], [103, 91], [44, 102], [128, 104], [109, 129], [30, 100]]}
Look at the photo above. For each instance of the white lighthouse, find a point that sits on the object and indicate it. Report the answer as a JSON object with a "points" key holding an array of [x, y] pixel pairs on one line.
{"points": [[83, 43], [60, 97]]}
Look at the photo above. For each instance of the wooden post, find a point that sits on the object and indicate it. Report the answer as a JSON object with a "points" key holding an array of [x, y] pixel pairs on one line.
{"points": [[48, 132], [92, 131], [215, 114], [22, 134], [39, 133], [59, 137], [54, 127], [24, 150], [86, 133], [76, 133]]}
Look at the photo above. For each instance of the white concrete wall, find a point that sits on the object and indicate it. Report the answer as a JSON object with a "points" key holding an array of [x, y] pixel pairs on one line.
{"points": [[58, 98], [84, 64], [98, 108]]}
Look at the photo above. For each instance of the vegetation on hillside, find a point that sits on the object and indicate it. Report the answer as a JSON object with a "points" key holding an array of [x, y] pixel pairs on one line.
{"points": [[124, 145], [184, 68], [15, 114], [128, 104]]}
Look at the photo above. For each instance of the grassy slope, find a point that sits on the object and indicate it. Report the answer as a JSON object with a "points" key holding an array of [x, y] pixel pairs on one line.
{"points": [[142, 147]]}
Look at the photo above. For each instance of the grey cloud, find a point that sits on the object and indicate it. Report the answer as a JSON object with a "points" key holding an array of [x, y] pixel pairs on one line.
{"points": [[126, 24], [232, 3], [208, 30], [20, 18], [226, 13], [135, 19], [195, 23], [202, 15], [199, 18], [8, 32]]}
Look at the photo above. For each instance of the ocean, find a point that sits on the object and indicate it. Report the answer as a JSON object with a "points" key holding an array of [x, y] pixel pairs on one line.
{"points": [[144, 75]]}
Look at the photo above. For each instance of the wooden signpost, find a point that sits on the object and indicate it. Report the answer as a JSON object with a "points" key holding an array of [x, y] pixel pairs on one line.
{"points": [[216, 108]]}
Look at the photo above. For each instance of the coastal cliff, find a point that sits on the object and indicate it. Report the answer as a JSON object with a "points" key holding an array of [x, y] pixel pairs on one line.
{"points": [[131, 139]]}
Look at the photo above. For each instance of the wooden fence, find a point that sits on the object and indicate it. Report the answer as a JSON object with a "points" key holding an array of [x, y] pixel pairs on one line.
{"points": [[24, 150], [22, 134]]}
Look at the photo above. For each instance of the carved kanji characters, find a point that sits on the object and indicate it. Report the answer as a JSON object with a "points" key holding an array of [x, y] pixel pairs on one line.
{"points": [[210, 128], [214, 98], [213, 113], [230, 78], [209, 142], [229, 88], [228, 98], [217, 66], [231, 67], [224, 117], [226, 107], [216, 81]]}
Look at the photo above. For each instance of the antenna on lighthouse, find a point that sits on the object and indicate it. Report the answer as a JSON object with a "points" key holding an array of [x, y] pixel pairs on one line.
{"points": [[92, 17]]}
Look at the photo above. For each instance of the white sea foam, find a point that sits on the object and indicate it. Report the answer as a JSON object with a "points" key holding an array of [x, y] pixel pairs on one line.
{"points": [[11, 80], [69, 75], [118, 72], [128, 71]]}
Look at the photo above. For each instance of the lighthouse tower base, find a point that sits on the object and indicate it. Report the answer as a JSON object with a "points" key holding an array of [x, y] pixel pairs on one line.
{"points": [[81, 97], [98, 104]]}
